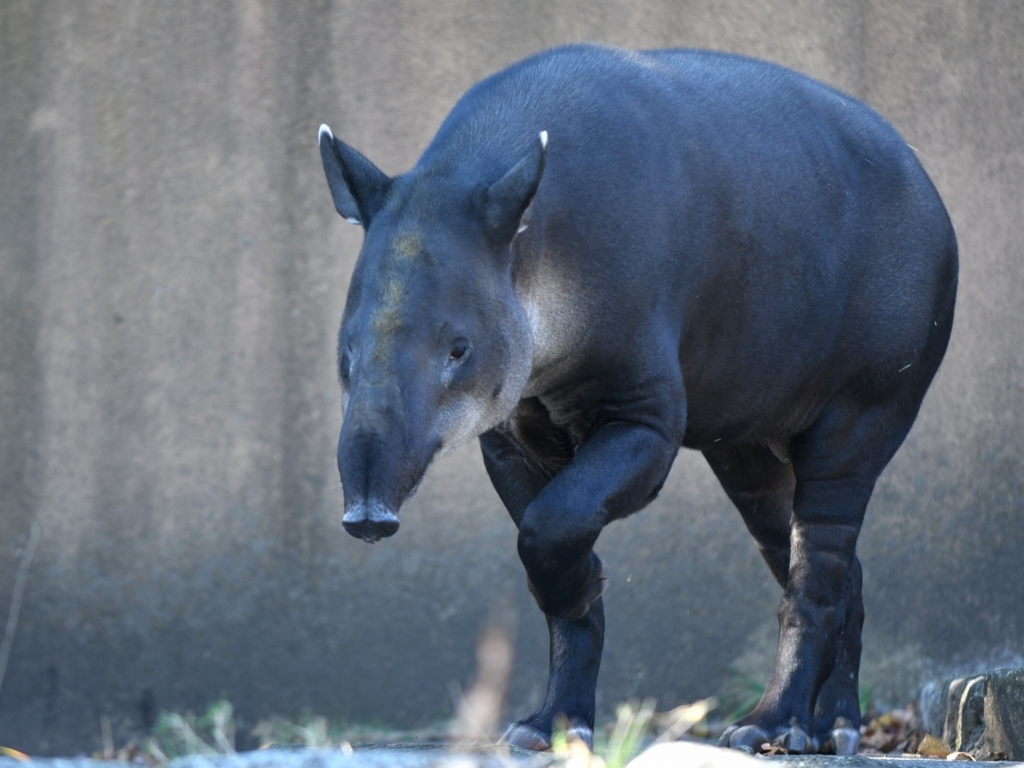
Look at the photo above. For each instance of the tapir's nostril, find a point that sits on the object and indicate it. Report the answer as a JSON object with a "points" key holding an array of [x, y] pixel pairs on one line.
{"points": [[370, 522]]}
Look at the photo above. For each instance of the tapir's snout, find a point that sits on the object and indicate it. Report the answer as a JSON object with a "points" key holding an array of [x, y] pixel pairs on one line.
{"points": [[370, 522]]}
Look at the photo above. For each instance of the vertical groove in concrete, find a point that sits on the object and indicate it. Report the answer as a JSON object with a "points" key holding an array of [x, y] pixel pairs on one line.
{"points": [[23, 135]]}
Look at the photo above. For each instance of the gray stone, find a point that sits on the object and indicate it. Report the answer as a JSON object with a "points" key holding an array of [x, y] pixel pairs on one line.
{"points": [[979, 714]]}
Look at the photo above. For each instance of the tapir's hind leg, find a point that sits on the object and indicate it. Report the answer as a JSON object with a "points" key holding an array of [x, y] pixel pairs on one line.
{"points": [[837, 709], [576, 644], [762, 488], [835, 464]]}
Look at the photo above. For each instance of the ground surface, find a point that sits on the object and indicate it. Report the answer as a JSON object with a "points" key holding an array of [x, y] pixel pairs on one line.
{"points": [[430, 756]]}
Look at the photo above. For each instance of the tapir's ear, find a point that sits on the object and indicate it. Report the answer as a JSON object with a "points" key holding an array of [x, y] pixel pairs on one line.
{"points": [[357, 185], [506, 201]]}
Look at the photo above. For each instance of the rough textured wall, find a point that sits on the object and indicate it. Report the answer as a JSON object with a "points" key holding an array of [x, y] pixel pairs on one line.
{"points": [[172, 273]]}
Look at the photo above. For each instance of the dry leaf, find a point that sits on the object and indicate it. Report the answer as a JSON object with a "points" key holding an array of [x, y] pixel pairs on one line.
{"points": [[933, 746], [893, 732]]}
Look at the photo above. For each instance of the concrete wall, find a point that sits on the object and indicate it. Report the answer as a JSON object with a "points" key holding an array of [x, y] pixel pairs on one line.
{"points": [[172, 275]]}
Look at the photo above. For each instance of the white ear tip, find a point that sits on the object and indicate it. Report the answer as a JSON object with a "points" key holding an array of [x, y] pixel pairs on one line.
{"points": [[543, 139], [324, 129]]}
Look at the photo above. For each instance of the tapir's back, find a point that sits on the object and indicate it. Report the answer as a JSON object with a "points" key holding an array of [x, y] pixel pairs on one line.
{"points": [[710, 153]]}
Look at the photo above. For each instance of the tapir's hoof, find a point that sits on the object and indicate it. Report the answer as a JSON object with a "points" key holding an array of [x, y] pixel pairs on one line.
{"points": [[752, 738], [749, 738], [845, 741], [796, 741], [581, 733], [527, 737]]}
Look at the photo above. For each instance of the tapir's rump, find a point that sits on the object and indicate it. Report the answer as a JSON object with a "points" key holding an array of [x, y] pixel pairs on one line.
{"points": [[604, 255]]}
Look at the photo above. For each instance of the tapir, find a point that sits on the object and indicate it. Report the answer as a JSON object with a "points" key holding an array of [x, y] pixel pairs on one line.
{"points": [[604, 255]]}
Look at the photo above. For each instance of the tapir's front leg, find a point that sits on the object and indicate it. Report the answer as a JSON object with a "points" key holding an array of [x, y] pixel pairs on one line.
{"points": [[641, 460], [619, 470], [576, 646], [573, 664]]}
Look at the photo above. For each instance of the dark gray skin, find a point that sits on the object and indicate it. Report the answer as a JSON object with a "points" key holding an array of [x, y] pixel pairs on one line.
{"points": [[710, 252]]}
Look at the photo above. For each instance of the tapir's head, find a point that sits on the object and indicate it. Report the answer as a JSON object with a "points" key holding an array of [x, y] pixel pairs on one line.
{"points": [[434, 347]]}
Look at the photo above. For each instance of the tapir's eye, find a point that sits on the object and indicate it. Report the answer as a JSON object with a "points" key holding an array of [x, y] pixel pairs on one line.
{"points": [[345, 362], [460, 349]]}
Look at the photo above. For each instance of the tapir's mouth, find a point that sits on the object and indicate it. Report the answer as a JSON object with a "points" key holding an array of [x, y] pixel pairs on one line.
{"points": [[370, 521]]}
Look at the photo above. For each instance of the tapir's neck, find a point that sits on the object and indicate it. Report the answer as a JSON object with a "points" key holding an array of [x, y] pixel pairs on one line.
{"points": [[556, 311]]}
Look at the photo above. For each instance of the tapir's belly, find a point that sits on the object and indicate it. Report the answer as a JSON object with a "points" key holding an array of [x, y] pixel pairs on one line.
{"points": [[761, 374], [757, 410]]}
